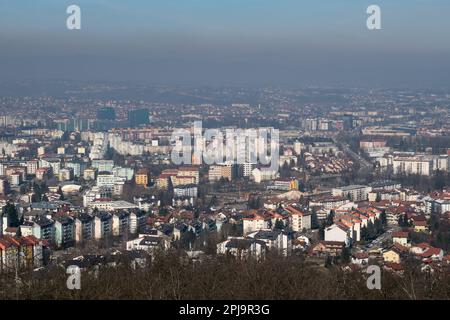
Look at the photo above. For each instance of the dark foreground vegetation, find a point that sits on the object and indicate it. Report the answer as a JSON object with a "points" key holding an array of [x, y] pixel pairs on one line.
{"points": [[169, 277]]}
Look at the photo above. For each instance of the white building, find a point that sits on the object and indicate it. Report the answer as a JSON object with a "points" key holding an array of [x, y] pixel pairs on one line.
{"points": [[254, 223], [338, 233], [84, 227], [102, 225], [242, 248], [352, 192], [420, 165], [264, 174], [275, 240], [299, 220], [120, 222]]}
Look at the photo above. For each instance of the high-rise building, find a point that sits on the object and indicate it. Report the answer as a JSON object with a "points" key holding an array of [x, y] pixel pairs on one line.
{"points": [[138, 117], [106, 118], [106, 113]]}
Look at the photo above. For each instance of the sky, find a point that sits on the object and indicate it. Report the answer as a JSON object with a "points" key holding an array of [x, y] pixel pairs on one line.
{"points": [[229, 42]]}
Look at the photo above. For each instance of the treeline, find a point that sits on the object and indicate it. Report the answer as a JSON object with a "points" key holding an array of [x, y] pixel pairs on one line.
{"points": [[438, 181], [171, 277], [439, 145]]}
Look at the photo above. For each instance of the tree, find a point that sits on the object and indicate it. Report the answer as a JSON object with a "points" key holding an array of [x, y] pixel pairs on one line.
{"points": [[330, 218], [364, 233], [403, 221], [371, 232], [255, 202], [378, 198], [61, 194], [439, 180], [378, 227], [314, 220], [383, 218], [328, 262], [214, 201], [279, 224], [322, 231], [345, 255], [11, 214], [285, 171]]}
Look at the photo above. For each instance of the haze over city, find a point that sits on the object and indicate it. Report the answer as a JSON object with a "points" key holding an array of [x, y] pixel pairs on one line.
{"points": [[252, 42]]}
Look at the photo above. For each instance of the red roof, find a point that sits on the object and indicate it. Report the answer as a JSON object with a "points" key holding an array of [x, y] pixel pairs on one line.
{"points": [[400, 234], [394, 266]]}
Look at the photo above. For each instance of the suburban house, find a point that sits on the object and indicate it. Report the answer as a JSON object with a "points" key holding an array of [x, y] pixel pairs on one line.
{"points": [[360, 258], [338, 233], [332, 248], [275, 240], [400, 238], [427, 252], [254, 223], [149, 243], [395, 253], [242, 248]]}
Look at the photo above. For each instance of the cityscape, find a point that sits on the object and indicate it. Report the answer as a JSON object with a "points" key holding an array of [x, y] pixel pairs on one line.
{"points": [[127, 189]]}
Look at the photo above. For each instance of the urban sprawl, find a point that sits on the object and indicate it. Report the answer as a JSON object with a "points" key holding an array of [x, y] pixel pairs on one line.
{"points": [[362, 178]]}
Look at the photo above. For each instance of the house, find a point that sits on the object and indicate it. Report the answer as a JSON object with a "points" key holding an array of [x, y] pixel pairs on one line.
{"points": [[332, 248], [394, 253], [22, 252], [242, 248], [254, 223], [400, 238], [420, 225], [10, 231], [361, 258], [149, 243], [394, 267], [37, 251], [301, 243], [141, 177], [338, 233], [275, 240], [26, 229], [427, 252], [9, 254]]}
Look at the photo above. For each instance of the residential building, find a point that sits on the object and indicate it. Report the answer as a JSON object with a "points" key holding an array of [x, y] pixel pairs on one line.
{"points": [[353, 192]]}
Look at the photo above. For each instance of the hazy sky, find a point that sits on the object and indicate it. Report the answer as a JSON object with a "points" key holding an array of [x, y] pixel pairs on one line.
{"points": [[268, 42]]}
